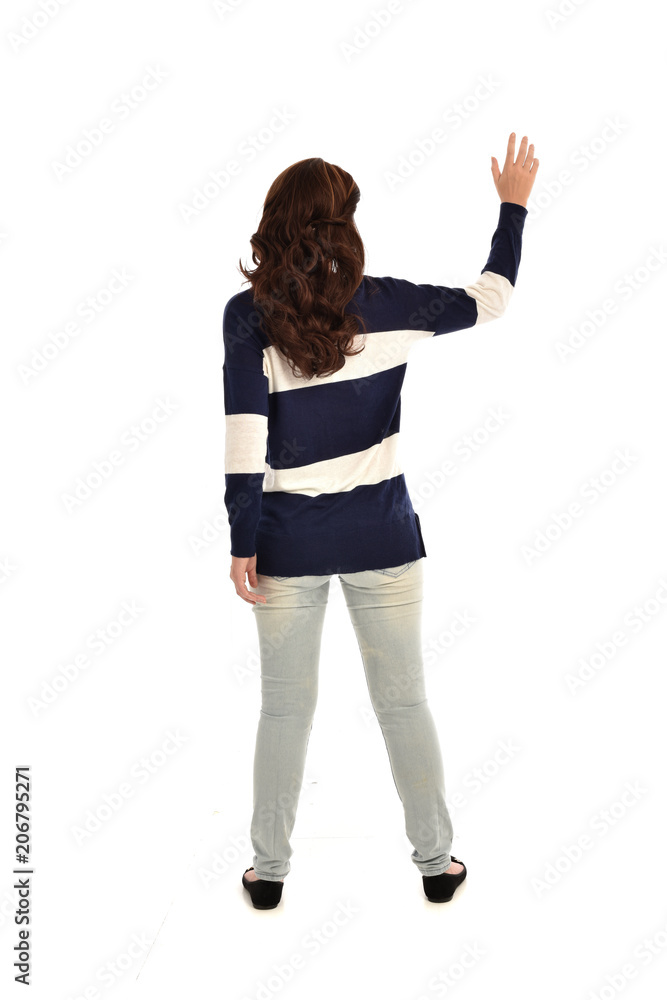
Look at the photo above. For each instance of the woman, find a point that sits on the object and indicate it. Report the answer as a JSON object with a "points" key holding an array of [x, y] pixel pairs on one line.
{"points": [[315, 356]]}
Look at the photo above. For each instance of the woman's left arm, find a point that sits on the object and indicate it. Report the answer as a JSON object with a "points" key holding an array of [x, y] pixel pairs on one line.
{"points": [[246, 396]]}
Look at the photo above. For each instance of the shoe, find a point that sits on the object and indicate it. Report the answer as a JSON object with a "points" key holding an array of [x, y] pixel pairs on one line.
{"points": [[265, 895], [441, 888]]}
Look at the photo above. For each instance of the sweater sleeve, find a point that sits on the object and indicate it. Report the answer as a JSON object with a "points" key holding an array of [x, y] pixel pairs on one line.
{"points": [[246, 399], [440, 309]]}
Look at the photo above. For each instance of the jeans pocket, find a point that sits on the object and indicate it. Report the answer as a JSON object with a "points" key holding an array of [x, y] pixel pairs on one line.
{"points": [[276, 577], [396, 570]]}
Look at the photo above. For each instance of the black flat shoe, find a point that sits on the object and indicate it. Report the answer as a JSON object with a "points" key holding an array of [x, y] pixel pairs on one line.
{"points": [[264, 895], [441, 888]]}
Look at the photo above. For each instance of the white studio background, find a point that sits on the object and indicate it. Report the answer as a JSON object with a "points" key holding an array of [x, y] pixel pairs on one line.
{"points": [[130, 676]]}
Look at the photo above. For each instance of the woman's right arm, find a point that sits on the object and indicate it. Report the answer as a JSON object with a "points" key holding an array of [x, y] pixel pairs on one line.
{"points": [[493, 290], [438, 309]]}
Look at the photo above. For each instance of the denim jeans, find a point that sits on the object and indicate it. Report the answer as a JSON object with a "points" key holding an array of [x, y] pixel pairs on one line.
{"points": [[385, 607]]}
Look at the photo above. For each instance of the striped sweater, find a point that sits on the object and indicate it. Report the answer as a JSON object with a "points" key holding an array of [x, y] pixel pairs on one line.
{"points": [[313, 478]]}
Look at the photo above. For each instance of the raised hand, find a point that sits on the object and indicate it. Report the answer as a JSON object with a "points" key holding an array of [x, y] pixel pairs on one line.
{"points": [[518, 176]]}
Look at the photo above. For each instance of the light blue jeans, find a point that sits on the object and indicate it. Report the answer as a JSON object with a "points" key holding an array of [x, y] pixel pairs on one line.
{"points": [[385, 606]]}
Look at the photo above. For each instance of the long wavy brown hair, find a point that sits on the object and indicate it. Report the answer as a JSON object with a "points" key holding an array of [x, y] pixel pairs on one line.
{"points": [[310, 261]]}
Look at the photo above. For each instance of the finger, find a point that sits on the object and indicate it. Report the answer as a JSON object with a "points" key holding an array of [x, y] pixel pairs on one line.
{"points": [[522, 151], [529, 156], [248, 596], [252, 577], [534, 167], [495, 170], [510, 150]]}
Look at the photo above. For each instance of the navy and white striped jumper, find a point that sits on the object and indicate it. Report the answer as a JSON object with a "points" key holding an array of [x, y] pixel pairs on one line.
{"points": [[313, 479]]}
